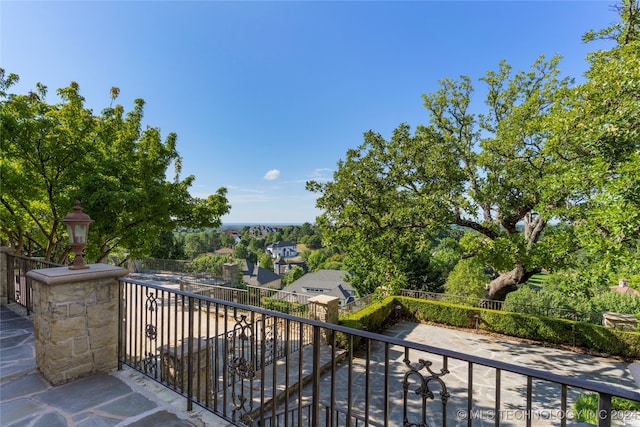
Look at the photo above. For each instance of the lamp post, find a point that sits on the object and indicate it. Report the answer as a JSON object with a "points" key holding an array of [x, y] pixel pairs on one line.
{"points": [[78, 227]]}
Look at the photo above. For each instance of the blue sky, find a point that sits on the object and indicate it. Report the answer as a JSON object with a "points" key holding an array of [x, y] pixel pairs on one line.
{"points": [[265, 96]]}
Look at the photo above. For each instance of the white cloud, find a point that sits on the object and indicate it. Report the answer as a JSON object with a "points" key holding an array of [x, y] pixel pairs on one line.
{"points": [[271, 175]]}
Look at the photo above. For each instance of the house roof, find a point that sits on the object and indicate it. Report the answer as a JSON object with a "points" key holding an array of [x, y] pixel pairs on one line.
{"points": [[327, 282], [282, 244], [223, 251], [624, 290], [258, 276]]}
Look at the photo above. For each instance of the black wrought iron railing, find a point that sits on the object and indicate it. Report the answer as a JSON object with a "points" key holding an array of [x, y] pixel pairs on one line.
{"points": [[253, 367], [19, 288], [356, 304], [255, 296]]}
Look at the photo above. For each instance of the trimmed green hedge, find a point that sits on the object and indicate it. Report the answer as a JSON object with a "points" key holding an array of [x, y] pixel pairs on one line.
{"points": [[537, 328]]}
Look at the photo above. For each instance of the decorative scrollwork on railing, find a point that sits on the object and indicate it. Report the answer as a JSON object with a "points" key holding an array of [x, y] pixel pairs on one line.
{"points": [[152, 302], [422, 380], [240, 365], [273, 342], [151, 331], [150, 363]]}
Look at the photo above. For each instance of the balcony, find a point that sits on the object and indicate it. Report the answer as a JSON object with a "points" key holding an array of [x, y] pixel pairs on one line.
{"points": [[251, 366]]}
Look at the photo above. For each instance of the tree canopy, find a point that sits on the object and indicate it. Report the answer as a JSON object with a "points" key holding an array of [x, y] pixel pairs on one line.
{"points": [[54, 154], [542, 151]]}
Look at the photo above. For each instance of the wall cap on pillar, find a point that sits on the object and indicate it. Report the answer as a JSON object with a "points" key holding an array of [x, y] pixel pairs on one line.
{"points": [[59, 275], [323, 299], [7, 249]]}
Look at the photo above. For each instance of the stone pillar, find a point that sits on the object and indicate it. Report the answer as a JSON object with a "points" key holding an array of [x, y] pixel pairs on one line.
{"points": [[174, 367], [75, 320], [230, 273], [4, 280], [325, 309]]}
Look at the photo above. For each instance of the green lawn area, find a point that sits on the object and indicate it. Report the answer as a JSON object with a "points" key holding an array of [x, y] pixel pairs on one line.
{"points": [[539, 279]]}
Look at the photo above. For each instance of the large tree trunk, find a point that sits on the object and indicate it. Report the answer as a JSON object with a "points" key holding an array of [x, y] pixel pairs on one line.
{"points": [[499, 287]]}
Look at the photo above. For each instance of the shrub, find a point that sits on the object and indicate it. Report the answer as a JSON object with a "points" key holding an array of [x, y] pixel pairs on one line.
{"points": [[467, 279], [586, 407], [536, 328], [288, 307]]}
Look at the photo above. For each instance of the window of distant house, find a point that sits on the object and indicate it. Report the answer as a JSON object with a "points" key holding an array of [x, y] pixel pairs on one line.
{"points": [[314, 290]]}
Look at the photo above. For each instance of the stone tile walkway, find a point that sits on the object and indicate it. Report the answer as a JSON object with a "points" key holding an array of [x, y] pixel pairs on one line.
{"points": [[119, 398]]}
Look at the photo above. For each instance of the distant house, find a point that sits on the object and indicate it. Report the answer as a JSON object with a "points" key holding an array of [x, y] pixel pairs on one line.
{"points": [[623, 288], [325, 282], [224, 251], [254, 275], [282, 267], [283, 249]]}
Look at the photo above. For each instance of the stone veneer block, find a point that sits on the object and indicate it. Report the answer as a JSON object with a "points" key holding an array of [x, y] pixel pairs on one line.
{"points": [[4, 280], [324, 308], [75, 320]]}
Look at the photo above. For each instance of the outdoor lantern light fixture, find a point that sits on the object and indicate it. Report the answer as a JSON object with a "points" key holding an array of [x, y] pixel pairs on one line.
{"points": [[78, 227]]}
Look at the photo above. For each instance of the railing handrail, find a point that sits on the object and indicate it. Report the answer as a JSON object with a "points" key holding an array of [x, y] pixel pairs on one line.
{"points": [[477, 360], [38, 260]]}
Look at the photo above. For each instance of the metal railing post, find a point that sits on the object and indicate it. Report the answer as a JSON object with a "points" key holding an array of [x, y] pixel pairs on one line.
{"points": [[190, 357], [604, 410]]}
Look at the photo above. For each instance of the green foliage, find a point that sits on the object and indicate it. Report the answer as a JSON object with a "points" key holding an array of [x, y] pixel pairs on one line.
{"points": [[305, 254], [612, 301], [292, 275], [439, 312], [316, 259], [389, 197], [196, 244], [586, 407], [543, 152], [538, 328], [467, 279], [548, 302], [312, 242], [111, 163], [598, 131], [211, 264], [266, 261], [283, 306], [168, 246], [370, 318], [240, 251]]}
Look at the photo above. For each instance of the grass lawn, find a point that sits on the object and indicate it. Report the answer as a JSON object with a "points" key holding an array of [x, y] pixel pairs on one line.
{"points": [[539, 280]]}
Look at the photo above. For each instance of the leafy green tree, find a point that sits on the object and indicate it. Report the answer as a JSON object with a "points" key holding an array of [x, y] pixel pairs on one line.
{"points": [[266, 261], [109, 162], [467, 279], [240, 251], [292, 275], [208, 263], [316, 259], [487, 173], [313, 241], [545, 302], [444, 258], [612, 301], [598, 132], [305, 254], [168, 246], [196, 244], [226, 240]]}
